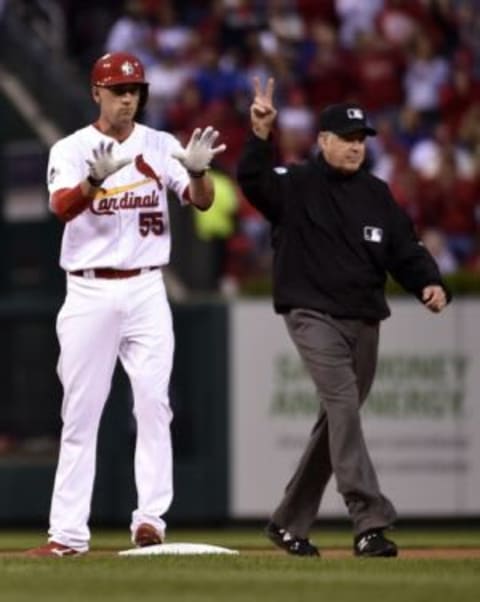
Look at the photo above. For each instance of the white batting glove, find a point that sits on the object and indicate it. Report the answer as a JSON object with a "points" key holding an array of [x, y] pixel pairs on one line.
{"points": [[103, 164], [199, 152]]}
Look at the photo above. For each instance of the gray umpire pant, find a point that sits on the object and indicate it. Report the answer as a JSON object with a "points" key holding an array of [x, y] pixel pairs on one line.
{"points": [[341, 357]]}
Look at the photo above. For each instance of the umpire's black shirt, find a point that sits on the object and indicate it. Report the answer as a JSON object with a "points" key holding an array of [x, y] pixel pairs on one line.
{"points": [[334, 236]]}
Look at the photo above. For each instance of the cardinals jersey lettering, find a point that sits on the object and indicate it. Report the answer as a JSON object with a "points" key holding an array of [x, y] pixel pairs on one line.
{"points": [[127, 225]]}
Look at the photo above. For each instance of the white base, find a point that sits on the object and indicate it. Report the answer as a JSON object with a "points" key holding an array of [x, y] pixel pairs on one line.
{"points": [[177, 548]]}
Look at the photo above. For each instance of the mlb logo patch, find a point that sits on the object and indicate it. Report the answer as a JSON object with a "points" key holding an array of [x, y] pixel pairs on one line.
{"points": [[355, 113], [372, 234]]}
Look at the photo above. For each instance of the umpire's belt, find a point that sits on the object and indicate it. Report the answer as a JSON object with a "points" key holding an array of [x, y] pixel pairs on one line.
{"points": [[112, 273]]}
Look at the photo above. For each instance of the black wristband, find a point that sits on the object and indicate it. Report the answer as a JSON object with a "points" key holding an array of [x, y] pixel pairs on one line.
{"points": [[197, 174], [94, 182]]}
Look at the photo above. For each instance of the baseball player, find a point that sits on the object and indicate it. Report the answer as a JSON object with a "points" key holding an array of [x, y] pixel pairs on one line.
{"points": [[108, 182]]}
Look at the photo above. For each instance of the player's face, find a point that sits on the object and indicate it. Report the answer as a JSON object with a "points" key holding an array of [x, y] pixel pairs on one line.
{"points": [[345, 153], [118, 104]]}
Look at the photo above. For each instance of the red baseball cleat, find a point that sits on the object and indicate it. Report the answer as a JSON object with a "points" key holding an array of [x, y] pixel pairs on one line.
{"points": [[53, 549], [147, 535]]}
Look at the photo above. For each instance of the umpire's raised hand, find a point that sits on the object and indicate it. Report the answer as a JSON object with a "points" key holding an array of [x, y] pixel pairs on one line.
{"points": [[262, 111]]}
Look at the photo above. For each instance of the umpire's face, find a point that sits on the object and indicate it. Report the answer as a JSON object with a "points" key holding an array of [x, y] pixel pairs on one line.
{"points": [[344, 152]]}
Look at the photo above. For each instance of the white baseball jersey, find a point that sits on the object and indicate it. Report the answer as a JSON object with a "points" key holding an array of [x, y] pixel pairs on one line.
{"points": [[127, 225]]}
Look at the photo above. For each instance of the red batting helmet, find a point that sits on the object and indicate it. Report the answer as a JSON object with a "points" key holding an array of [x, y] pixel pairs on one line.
{"points": [[117, 68]]}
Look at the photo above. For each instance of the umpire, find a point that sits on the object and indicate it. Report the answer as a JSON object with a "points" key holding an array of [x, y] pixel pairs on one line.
{"points": [[336, 233]]}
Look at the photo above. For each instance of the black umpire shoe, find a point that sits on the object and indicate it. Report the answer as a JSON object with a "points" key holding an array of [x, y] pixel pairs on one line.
{"points": [[297, 546], [373, 543]]}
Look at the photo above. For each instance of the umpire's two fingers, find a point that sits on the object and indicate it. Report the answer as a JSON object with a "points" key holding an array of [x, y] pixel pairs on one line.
{"points": [[264, 97], [262, 104]]}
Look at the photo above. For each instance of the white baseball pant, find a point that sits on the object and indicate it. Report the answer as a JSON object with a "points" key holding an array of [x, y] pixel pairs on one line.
{"points": [[101, 320]]}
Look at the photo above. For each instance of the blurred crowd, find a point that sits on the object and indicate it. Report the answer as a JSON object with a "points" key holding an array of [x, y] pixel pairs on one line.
{"points": [[413, 64]]}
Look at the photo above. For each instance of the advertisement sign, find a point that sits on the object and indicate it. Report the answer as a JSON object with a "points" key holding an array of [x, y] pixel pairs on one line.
{"points": [[421, 419]]}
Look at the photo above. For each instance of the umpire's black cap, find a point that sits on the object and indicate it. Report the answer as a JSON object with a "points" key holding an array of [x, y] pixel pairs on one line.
{"points": [[345, 118]]}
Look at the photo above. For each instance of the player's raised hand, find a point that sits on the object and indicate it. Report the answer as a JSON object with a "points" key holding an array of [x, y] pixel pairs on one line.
{"points": [[103, 163], [262, 111], [200, 151]]}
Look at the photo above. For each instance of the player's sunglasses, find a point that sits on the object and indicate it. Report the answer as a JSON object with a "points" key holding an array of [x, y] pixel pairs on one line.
{"points": [[121, 89]]}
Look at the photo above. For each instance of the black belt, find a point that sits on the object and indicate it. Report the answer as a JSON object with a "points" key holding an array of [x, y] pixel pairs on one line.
{"points": [[112, 273]]}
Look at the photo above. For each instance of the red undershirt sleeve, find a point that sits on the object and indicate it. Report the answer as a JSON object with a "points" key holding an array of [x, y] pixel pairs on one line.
{"points": [[67, 203], [186, 195]]}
